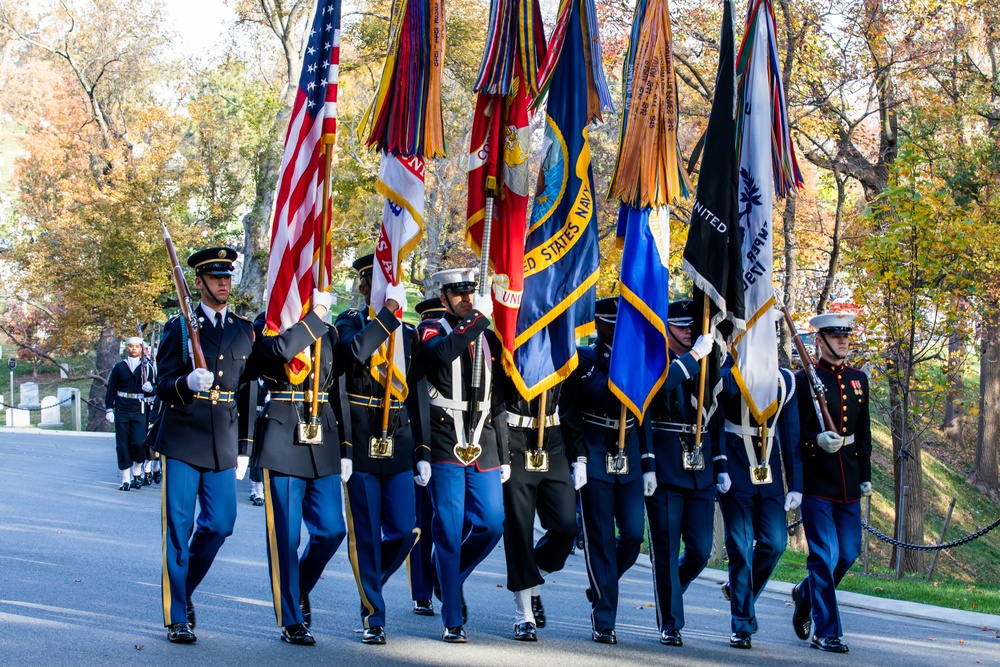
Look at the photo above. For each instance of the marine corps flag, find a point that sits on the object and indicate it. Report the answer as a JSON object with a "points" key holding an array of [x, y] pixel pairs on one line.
{"points": [[561, 258], [499, 152], [767, 160], [712, 255], [297, 245]]}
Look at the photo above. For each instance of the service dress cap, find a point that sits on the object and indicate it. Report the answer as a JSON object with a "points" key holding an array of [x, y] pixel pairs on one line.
{"points": [[364, 262], [606, 309], [430, 308], [833, 323], [457, 280], [681, 313], [213, 261]]}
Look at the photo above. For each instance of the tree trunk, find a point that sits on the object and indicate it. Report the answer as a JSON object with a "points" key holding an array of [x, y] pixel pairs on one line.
{"points": [[984, 472], [106, 354], [907, 470], [952, 423], [789, 284]]}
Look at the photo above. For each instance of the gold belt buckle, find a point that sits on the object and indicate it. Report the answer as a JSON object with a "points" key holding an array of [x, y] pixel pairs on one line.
{"points": [[536, 460], [694, 459], [380, 448], [213, 396], [616, 465], [760, 474]]}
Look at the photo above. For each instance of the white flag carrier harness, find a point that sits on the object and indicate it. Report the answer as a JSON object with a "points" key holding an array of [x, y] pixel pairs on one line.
{"points": [[454, 405], [748, 432]]}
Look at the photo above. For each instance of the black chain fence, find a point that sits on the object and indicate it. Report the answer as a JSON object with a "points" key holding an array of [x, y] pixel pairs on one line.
{"points": [[915, 547], [40, 408]]}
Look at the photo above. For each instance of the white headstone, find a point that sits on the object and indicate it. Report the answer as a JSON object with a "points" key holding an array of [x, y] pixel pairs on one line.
{"points": [[29, 395], [63, 371], [50, 412], [21, 418], [64, 394]]}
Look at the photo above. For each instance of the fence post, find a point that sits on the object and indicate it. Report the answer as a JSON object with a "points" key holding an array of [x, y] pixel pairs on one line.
{"points": [[75, 393], [944, 529]]}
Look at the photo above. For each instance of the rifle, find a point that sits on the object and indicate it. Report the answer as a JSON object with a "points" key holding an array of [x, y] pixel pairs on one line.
{"points": [[186, 301], [816, 387]]}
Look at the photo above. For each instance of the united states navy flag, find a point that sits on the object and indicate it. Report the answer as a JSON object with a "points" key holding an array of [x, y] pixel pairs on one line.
{"points": [[561, 256]]}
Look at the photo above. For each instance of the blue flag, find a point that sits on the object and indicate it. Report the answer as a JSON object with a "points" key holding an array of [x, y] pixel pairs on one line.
{"points": [[561, 257], [639, 355]]}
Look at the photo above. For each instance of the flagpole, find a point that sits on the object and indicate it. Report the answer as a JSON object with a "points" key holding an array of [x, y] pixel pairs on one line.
{"points": [[702, 374], [324, 227], [619, 462], [484, 266], [387, 394]]}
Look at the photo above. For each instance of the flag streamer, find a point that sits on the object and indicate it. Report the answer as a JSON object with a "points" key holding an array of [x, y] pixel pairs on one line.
{"points": [[515, 38]]}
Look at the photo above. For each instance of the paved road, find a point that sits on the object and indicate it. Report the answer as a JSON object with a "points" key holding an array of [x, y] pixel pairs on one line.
{"points": [[80, 572]]}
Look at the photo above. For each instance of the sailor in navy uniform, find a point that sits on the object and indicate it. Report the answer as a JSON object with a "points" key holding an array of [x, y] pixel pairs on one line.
{"points": [[126, 404], [609, 497], [754, 508], [381, 515], [836, 473], [419, 564], [539, 483], [683, 503], [469, 455], [301, 475], [198, 436]]}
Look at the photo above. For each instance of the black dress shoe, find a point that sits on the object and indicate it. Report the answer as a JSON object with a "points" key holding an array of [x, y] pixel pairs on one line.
{"points": [[525, 632], [373, 635], [423, 607], [740, 640], [455, 635], [830, 644], [297, 634], [189, 612], [801, 613], [604, 636], [579, 541], [147, 479], [125, 486], [136, 483], [671, 638], [180, 633], [725, 590], [157, 476], [538, 610], [257, 501], [307, 612]]}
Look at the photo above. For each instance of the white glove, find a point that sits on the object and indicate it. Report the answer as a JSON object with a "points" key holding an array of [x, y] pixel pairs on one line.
{"points": [[648, 483], [504, 472], [866, 489], [346, 469], [242, 463], [792, 501], [397, 293], [110, 415], [702, 347], [322, 298], [579, 473], [484, 304], [830, 441], [147, 387], [423, 473], [200, 380], [723, 482]]}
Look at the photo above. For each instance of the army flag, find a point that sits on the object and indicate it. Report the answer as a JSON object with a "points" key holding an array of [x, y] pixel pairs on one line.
{"points": [[297, 245], [767, 161], [712, 256], [561, 259]]}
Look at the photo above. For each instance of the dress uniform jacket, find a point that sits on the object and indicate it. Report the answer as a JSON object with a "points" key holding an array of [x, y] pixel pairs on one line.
{"points": [[592, 414], [836, 476], [364, 394], [443, 342], [277, 448], [126, 381], [187, 418]]}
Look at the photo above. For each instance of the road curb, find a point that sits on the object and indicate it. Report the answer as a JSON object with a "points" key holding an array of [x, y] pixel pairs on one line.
{"points": [[42, 431]]}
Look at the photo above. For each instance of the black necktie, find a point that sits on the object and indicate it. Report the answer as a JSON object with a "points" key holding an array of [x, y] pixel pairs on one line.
{"points": [[218, 321]]}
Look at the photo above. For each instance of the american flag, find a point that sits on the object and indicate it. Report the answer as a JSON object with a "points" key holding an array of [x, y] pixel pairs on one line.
{"points": [[292, 271]]}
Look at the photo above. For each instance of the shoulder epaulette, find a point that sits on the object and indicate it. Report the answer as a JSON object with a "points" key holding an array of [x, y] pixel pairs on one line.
{"points": [[240, 317]]}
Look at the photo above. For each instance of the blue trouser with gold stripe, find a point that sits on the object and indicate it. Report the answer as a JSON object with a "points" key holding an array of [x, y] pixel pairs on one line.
{"points": [[288, 501], [756, 537], [833, 532], [419, 564], [605, 504], [187, 557], [468, 523], [675, 513], [381, 532]]}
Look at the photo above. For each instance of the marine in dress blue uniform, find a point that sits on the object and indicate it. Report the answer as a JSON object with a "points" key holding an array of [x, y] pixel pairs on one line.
{"points": [[836, 474], [198, 437], [754, 508], [126, 404], [381, 515], [301, 477], [683, 503], [539, 486], [469, 455], [420, 564], [609, 499]]}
